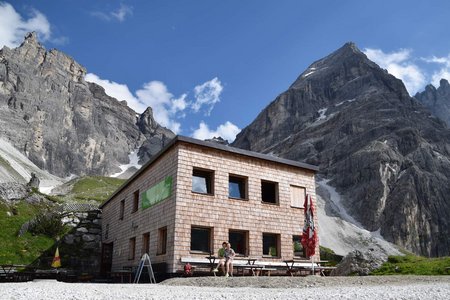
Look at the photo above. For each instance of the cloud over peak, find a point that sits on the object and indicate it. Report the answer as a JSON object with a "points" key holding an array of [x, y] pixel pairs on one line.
{"points": [[401, 65], [227, 131], [167, 109], [13, 27]]}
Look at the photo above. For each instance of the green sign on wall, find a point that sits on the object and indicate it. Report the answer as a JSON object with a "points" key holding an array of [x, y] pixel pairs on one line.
{"points": [[157, 193]]}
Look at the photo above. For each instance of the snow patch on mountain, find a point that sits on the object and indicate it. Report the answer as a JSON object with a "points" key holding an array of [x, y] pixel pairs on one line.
{"points": [[134, 163], [339, 231], [16, 167]]}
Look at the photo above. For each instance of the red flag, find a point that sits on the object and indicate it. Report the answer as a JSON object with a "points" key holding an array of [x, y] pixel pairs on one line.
{"points": [[309, 236]]}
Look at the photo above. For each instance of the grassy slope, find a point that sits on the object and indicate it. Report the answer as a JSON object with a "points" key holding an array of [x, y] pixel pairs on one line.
{"points": [[96, 188], [25, 249], [20, 250], [414, 265]]}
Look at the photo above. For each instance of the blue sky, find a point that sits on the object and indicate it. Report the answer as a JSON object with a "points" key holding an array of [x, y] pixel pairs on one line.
{"points": [[209, 67]]}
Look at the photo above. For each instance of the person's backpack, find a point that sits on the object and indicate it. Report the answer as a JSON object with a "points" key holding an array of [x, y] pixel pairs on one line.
{"points": [[187, 269]]}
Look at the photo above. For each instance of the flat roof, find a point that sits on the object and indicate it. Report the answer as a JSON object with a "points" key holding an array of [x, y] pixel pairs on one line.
{"points": [[213, 145]]}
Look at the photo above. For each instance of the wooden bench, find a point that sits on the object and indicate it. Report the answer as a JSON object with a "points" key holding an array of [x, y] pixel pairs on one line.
{"points": [[240, 265]]}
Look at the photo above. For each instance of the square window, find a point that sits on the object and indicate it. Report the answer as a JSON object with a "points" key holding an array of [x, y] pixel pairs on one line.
{"points": [[271, 244], [122, 209], [146, 243], [298, 194], [269, 192], [239, 241], [202, 181], [162, 240], [135, 201], [201, 239], [237, 187], [297, 245], [131, 248]]}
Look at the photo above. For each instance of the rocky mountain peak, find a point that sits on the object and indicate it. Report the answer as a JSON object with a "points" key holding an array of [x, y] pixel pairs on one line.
{"points": [[31, 39], [347, 65], [381, 150], [437, 100], [64, 124], [444, 83]]}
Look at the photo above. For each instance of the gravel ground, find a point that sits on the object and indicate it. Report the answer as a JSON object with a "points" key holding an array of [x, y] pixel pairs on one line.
{"points": [[380, 287]]}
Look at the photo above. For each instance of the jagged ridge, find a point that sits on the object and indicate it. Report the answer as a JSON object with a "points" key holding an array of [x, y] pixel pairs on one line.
{"points": [[64, 124], [383, 151]]}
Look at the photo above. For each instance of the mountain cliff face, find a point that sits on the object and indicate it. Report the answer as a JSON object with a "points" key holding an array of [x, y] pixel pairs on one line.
{"points": [[64, 124], [437, 100], [382, 150]]}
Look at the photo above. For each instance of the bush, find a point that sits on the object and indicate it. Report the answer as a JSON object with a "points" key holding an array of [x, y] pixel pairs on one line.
{"points": [[48, 224]]}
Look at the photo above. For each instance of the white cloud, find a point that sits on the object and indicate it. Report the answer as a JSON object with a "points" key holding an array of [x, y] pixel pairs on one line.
{"points": [[118, 15], [13, 27], [227, 131], [167, 108], [443, 72], [207, 95], [154, 94], [401, 65], [117, 90]]}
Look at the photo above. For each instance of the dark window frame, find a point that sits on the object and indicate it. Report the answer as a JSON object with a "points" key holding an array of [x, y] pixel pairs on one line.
{"points": [[122, 209], [135, 201], [242, 182], [146, 243], [266, 252], [208, 175], [209, 244], [265, 185], [300, 251], [131, 248], [162, 241], [236, 247]]}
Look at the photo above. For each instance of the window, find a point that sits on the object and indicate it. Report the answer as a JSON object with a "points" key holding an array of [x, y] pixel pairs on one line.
{"points": [[239, 241], [135, 201], [297, 245], [271, 244], [122, 209], [162, 240], [202, 181], [131, 248], [297, 196], [269, 192], [201, 239], [146, 243], [237, 187], [107, 231]]}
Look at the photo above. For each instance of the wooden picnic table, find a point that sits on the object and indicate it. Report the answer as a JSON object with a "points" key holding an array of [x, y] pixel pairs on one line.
{"points": [[8, 271], [292, 268]]}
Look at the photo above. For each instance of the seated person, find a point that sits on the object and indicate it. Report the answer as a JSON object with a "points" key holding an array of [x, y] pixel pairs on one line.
{"points": [[229, 255], [221, 255]]}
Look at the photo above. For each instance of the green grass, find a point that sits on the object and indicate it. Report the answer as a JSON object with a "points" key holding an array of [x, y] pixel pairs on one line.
{"points": [[413, 265], [96, 188], [27, 248], [24, 249], [329, 255]]}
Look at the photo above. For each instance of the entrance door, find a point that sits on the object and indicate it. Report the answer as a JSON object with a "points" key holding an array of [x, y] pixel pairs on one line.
{"points": [[107, 255]]}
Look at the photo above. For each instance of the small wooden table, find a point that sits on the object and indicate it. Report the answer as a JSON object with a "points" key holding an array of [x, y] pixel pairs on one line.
{"points": [[292, 269], [212, 263]]}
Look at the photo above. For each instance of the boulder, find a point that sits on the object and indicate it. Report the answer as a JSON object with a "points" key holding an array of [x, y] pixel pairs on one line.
{"points": [[359, 263]]}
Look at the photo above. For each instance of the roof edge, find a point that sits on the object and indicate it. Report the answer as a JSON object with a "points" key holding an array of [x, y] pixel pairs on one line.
{"points": [[211, 145]]}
